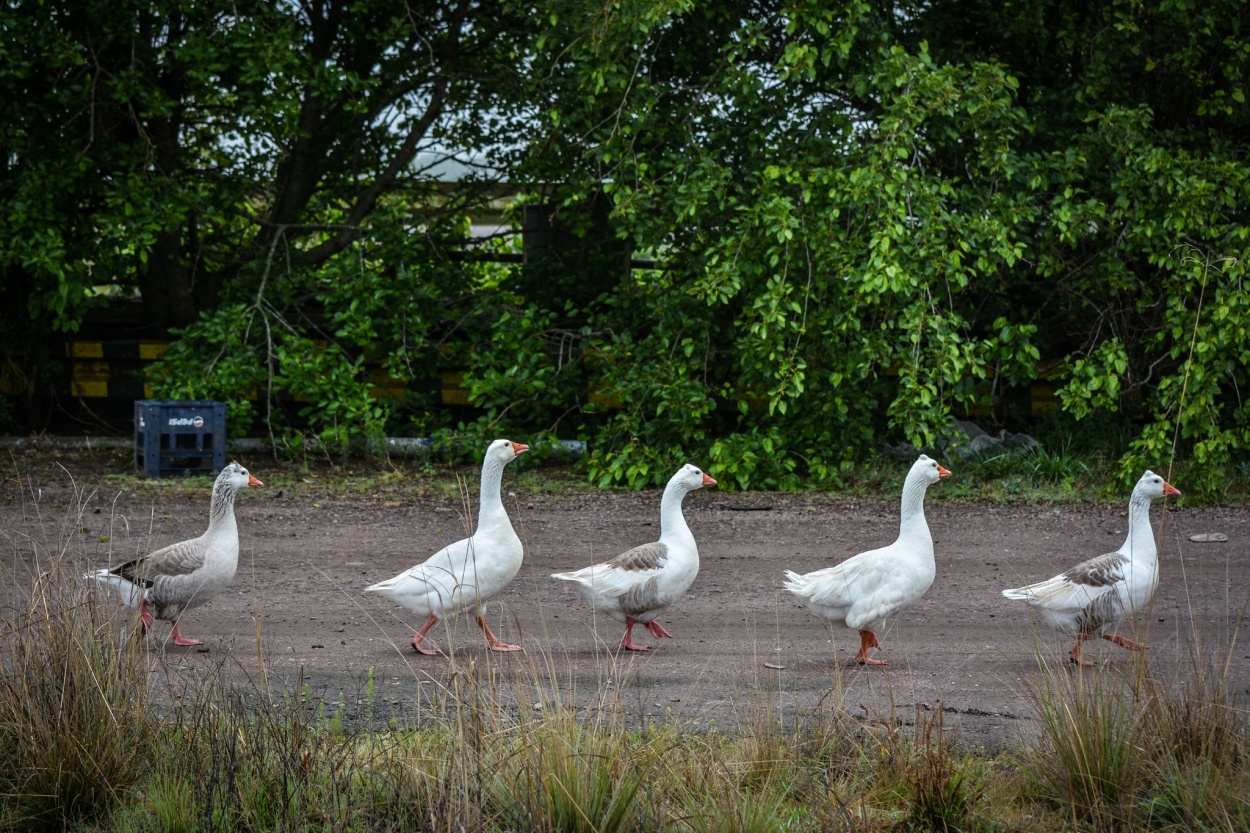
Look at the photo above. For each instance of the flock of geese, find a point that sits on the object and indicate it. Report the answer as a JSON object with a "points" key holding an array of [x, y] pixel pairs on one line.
{"points": [[638, 585]]}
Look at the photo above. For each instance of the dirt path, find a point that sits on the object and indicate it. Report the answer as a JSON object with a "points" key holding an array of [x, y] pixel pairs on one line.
{"points": [[743, 647]]}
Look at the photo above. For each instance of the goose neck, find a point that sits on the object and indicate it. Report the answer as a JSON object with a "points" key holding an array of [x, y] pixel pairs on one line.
{"points": [[1141, 537], [222, 507], [672, 522], [490, 503], [912, 520]]}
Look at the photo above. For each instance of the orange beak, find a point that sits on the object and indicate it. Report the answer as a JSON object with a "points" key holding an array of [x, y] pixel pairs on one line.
{"points": [[943, 471], [707, 481], [520, 448], [252, 481], [1169, 489]]}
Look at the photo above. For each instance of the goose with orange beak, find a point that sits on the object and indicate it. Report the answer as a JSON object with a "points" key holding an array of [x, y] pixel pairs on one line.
{"points": [[1097, 595], [639, 584], [167, 583], [466, 574], [866, 589]]}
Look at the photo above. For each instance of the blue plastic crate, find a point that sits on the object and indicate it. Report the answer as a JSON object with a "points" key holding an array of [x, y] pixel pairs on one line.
{"points": [[179, 438]]}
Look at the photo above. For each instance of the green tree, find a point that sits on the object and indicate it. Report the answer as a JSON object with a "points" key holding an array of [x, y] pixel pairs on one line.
{"points": [[181, 146], [900, 210], [867, 218], [229, 164]]}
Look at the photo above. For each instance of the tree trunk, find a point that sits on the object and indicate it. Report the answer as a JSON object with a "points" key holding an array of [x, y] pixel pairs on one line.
{"points": [[168, 300]]}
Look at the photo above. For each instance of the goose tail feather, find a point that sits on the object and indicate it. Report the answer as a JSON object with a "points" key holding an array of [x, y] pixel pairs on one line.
{"points": [[131, 594]]}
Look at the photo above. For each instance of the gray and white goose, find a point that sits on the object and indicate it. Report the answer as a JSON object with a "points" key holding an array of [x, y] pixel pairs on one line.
{"points": [[639, 584], [185, 575], [1097, 594]]}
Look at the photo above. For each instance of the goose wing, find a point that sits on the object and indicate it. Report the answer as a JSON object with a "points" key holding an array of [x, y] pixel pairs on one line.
{"points": [[1074, 590], [842, 584], [442, 571], [180, 559], [624, 572]]}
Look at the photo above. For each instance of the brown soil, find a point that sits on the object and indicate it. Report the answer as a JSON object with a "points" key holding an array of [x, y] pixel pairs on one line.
{"points": [[743, 649]]}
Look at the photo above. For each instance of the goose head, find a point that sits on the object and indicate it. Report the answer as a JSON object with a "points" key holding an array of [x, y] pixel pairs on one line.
{"points": [[1152, 486], [505, 451], [928, 469], [236, 477], [691, 477]]}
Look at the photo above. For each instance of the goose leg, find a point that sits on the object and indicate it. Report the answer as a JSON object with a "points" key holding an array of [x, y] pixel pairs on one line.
{"points": [[179, 639], [628, 642], [418, 638], [657, 630], [492, 640], [1075, 655], [145, 617], [1125, 642], [868, 639]]}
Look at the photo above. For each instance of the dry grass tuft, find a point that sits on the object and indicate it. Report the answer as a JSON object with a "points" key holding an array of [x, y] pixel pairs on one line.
{"points": [[74, 716]]}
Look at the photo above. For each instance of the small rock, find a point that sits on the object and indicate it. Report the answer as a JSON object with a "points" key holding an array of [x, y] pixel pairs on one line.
{"points": [[1208, 538]]}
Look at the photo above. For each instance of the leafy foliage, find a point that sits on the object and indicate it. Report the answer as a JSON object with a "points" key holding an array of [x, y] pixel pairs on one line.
{"points": [[869, 215], [864, 219]]}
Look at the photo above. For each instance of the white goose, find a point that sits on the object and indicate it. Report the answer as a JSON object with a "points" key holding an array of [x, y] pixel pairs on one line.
{"points": [[1096, 594], [185, 575], [469, 572], [867, 588], [639, 584]]}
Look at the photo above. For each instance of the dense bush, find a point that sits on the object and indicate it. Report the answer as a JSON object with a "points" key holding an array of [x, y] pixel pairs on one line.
{"points": [[866, 220]]}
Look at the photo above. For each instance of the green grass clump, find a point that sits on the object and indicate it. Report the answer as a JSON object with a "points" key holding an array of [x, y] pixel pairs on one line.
{"points": [[1200, 778], [1124, 752], [1088, 756], [562, 775]]}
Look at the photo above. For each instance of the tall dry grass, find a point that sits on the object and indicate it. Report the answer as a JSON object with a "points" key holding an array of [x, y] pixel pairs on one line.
{"points": [[75, 718], [1128, 749]]}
